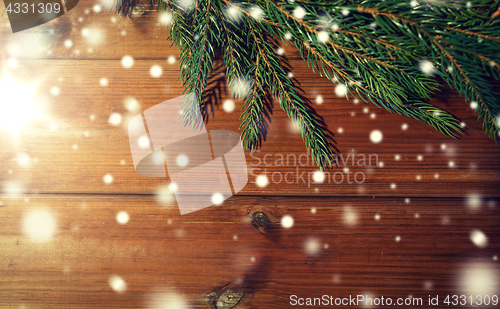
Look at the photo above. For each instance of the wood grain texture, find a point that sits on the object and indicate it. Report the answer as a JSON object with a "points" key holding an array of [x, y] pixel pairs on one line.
{"points": [[428, 191]]}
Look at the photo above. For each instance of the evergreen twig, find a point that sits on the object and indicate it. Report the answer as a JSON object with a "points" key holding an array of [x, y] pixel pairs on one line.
{"points": [[375, 48]]}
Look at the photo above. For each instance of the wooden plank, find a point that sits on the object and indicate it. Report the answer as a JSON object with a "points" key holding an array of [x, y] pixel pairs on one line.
{"points": [[335, 247], [423, 167], [95, 35]]}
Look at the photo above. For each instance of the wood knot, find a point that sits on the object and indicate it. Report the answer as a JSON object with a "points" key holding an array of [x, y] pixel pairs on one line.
{"points": [[227, 298], [260, 219]]}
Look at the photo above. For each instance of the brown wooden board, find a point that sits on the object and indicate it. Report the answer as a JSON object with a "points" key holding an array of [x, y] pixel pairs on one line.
{"points": [[433, 195]]}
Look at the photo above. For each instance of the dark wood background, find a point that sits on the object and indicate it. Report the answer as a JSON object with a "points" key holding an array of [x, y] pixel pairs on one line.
{"points": [[336, 246]]}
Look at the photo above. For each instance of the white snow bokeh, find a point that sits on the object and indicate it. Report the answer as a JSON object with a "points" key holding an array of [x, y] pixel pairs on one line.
{"points": [[299, 12], [318, 176], [240, 87], [376, 136], [164, 195], [12, 189], [165, 18], [117, 284], [93, 36], [23, 159], [350, 216], [228, 106], [287, 221], [256, 12], [182, 160], [156, 71], [55, 91], [39, 225], [312, 246], [474, 201], [340, 90], [426, 67], [143, 142], [217, 198], [127, 61], [323, 36], [479, 238], [122, 217], [166, 299], [132, 105], [262, 181], [234, 13], [171, 59], [115, 119], [479, 278], [108, 179]]}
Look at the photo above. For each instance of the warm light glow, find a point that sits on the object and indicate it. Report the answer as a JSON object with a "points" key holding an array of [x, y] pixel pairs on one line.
{"points": [[16, 104]]}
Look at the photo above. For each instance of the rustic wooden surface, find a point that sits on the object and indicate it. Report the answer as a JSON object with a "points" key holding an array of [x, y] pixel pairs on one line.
{"points": [[404, 231]]}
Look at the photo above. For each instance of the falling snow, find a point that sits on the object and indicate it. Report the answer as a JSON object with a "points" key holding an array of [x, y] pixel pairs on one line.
{"points": [[262, 181], [127, 62], [479, 239], [376, 136], [164, 195], [256, 12], [299, 12], [228, 106], [39, 225], [171, 60], [117, 284], [350, 216], [323, 36], [340, 90], [143, 142], [165, 18], [132, 105], [108, 179], [55, 91], [217, 198], [479, 278], [122, 217], [182, 160], [156, 71], [426, 67], [115, 119], [312, 246], [287, 221], [474, 201]]}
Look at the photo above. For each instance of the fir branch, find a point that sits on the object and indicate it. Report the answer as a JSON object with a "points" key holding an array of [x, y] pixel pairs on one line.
{"points": [[373, 47], [283, 90]]}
